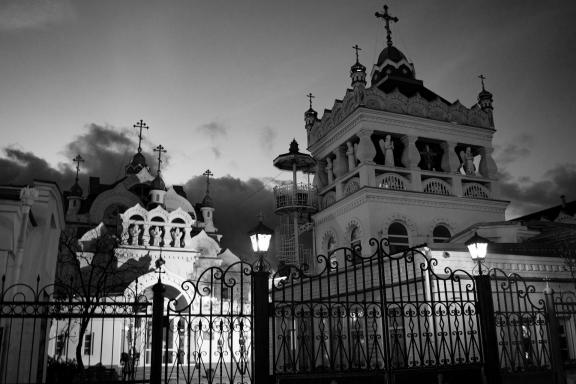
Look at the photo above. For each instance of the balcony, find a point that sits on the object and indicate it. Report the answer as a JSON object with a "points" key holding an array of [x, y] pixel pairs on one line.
{"points": [[303, 198]]}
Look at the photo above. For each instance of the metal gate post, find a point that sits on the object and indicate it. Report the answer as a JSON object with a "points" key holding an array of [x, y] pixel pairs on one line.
{"points": [[485, 310], [261, 327], [554, 337], [157, 315]]}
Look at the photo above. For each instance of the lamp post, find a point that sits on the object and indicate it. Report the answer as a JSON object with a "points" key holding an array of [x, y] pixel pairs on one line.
{"points": [[260, 238], [478, 247]]}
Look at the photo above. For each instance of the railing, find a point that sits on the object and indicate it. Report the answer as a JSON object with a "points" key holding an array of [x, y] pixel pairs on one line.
{"points": [[304, 197]]}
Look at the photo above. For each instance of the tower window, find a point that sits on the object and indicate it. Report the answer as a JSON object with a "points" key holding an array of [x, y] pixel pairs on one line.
{"points": [[397, 238], [441, 234]]}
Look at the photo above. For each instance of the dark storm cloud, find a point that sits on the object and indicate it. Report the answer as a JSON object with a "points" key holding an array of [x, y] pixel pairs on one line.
{"points": [[215, 132], [106, 150], [520, 148], [237, 204], [20, 168], [528, 196]]}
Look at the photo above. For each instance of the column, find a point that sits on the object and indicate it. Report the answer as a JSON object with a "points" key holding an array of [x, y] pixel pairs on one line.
{"points": [[320, 177], [450, 160], [340, 168], [487, 166], [410, 155], [365, 152]]}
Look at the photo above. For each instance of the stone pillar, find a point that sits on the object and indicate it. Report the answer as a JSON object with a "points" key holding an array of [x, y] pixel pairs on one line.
{"points": [[367, 176], [340, 167], [365, 152], [167, 235], [350, 155], [487, 166], [410, 155], [457, 185], [450, 160], [320, 177], [329, 170]]}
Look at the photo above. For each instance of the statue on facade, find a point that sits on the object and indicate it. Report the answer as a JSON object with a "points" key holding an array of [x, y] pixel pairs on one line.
{"points": [[467, 159], [134, 233], [156, 236], [387, 147], [176, 235]]}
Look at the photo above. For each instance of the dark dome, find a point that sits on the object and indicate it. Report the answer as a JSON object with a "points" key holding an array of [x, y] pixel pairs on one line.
{"points": [[76, 190], [391, 53], [138, 159], [207, 201], [158, 184]]}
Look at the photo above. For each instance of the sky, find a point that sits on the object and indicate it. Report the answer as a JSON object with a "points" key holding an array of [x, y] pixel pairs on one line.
{"points": [[222, 84]]}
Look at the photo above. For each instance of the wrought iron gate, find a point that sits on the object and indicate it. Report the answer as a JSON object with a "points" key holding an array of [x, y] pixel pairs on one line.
{"points": [[381, 314], [208, 338], [41, 339]]}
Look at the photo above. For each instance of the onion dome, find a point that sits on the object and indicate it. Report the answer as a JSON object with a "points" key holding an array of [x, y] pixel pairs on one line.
{"points": [[310, 116], [484, 97], [137, 164], [76, 190], [207, 201], [158, 184], [392, 64], [357, 71]]}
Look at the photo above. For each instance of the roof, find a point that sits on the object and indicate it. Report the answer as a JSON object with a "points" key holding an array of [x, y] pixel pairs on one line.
{"points": [[550, 214]]}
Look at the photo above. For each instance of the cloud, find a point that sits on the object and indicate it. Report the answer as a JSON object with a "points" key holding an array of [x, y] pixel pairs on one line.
{"points": [[520, 148], [267, 138], [215, 132], [16, 15], [237, 204], [21, 168], [528, 196]]}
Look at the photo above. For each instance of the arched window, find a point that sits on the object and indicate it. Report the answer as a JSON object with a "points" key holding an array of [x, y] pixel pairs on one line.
{"points": [[355, 245], [441, 234], [398, 238]]}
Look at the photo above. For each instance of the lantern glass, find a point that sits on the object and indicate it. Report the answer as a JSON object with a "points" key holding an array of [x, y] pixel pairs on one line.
{"points": [[478, 250], [260, 242]]}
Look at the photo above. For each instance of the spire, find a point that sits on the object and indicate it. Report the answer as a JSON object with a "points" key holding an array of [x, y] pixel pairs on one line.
{"points": [[310, 115], [387, 19], [158, 183], [358, 71], [485, 100], [140, 126], [76, 190], [207, 201], [138, 161]]}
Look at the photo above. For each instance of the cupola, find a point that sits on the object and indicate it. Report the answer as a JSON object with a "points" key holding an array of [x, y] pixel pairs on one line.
{"points": [[485, 100], [138, 160], [75, 193], [310, 116], [207, 208], [358, 71], [157, 187]]}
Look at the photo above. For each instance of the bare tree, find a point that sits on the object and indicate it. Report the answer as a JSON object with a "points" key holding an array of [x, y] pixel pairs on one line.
{"points": [[89, 266]]}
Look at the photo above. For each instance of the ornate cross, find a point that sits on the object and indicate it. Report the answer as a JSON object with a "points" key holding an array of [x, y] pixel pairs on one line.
{"points": [[160, 149], [387, 18], [310, 96], [140, 125], [78, 159], [357, 48], [482, 78], [208, 173]]}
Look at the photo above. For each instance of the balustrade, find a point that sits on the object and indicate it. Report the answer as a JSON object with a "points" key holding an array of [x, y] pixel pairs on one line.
{"points": [[304, 196]]}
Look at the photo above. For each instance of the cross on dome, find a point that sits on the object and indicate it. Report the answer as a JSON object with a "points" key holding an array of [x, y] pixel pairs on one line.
{"points": [[78, 159], [357, 48], [387, 19], [310, 96], [160, 149], [208, 173], [482, 78], [140, 125]]}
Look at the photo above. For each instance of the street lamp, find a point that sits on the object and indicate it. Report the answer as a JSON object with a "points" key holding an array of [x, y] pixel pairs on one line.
{"points": [[260, 237], [478, 247]]}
